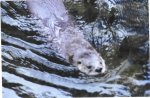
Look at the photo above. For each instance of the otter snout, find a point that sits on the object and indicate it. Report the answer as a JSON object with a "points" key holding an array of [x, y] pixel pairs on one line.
{"points": [[98, 70]]}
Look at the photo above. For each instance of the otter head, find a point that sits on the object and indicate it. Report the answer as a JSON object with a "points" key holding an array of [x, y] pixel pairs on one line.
{"points": [[90, 63]]}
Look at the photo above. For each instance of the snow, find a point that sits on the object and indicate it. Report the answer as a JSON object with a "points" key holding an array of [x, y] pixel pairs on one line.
{"points": [[120, 90], [9, 93], [147, 93], [22, 22], [6, 55], [139, 82], [40, 91], [19, 53], [8, 20], [19, 42], [110, 3]]}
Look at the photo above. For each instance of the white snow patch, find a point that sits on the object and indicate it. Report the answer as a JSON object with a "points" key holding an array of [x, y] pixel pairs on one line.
{"points": [[147, 93], [139, 82], [9, 20], [9, 93], [75, 83], [40, 91], [110, 3], [6, 55]]}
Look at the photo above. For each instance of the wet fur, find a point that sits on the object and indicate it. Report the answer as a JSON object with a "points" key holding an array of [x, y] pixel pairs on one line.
{"points": [[69, 39]]}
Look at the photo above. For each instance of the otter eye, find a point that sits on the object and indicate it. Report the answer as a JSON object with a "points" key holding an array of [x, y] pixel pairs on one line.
{"points": [[78, 62], [100, 62]]}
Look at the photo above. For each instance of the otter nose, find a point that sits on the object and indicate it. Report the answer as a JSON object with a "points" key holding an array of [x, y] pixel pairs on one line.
{"points": [[98, 70]]}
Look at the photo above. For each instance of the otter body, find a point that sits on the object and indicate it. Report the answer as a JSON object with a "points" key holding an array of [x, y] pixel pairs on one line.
{"points": [[69, 38], [80, 53]]}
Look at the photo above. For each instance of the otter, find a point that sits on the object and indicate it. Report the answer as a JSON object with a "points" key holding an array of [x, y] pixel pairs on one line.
{"points": [[74, 48]]}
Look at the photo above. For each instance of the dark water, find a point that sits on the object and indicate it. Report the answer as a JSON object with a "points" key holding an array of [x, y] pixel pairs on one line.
{"points": [[32, 68]]}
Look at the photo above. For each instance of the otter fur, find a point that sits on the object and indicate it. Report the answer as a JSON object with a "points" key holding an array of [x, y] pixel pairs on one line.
{"points": [[69, 38]]}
